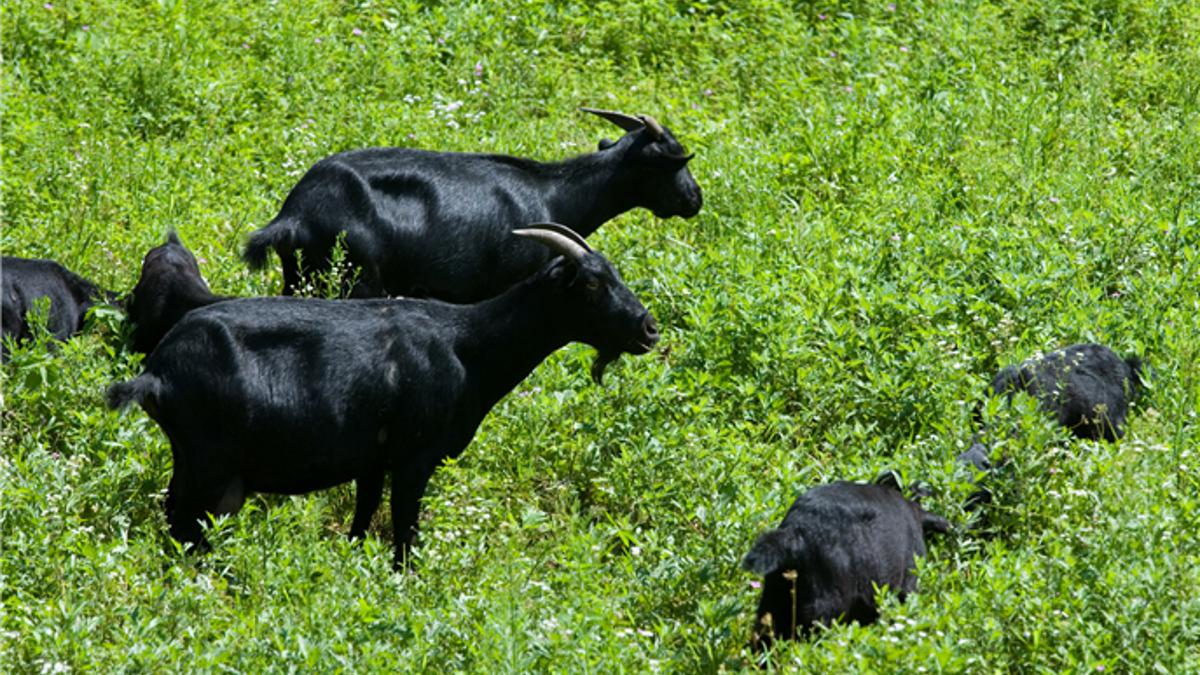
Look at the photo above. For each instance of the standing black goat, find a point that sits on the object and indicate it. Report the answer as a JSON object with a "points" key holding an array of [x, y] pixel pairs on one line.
{"points": [[834, 546], [169, 287], [436, 224], [288, 396], [26, 280]]}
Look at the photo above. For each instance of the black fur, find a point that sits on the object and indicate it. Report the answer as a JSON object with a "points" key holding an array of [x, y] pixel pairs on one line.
{"points": [[436, 224], [25, 280], [1087, 387], [288, 396], [837, 541], [169, 287]]}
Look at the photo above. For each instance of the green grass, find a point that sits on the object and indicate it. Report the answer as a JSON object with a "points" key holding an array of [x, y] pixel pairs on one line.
{"points": [[897, 203]]}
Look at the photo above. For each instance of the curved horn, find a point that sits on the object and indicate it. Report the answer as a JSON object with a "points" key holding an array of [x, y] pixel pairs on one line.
{"points": [[558, 238], [565, 231], [652, 124], [626, 122]]}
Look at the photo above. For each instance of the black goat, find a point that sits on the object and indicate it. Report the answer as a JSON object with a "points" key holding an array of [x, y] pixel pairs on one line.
{"points": [[70, 295], [1087, 387], [288, 396], [436, 224], [169, 287], [835, 544]]}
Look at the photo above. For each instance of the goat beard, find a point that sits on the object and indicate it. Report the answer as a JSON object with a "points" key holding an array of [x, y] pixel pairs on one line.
{"points": [[603, 358]]}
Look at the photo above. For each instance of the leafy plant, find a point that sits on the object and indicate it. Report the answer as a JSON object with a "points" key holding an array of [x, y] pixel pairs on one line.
{"points": [[900, 198]]}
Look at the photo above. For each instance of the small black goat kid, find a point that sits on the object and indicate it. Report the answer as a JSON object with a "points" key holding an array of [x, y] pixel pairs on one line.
{"points": [[836, 543], [26, 280], [169, 287], [436, 224], [288, 396]]}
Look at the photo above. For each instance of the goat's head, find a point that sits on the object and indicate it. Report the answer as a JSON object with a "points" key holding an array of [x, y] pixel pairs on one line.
{"points": [[164, 264], [657, 162], [607, 314]]}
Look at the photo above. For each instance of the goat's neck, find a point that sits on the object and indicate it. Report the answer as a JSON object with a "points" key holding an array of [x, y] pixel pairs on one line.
{"points": [[506, 337], [586, 191]]}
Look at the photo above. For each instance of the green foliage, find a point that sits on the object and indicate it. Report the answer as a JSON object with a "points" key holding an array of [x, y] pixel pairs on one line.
{"points": [[334, 281], [899, 200]]}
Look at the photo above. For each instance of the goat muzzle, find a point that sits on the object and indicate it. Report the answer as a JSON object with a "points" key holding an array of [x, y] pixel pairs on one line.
{"points": [[649, 336]]}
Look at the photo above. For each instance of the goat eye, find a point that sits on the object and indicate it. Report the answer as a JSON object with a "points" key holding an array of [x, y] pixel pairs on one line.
{"points": [[593, 285]]}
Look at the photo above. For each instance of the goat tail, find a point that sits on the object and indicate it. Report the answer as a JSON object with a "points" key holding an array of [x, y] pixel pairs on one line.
{"points": [[141, 389], [775, 549], [276, 233]]}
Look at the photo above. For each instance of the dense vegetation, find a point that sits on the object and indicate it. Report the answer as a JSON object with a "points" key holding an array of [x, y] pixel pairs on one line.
{"points": [[900, 198]]}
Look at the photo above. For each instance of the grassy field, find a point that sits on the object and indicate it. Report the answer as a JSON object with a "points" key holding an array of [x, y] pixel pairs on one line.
{"points": [[899, 199]]}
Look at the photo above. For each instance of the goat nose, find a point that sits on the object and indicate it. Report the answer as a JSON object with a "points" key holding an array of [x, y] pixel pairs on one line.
{"points": [[650, 326]]}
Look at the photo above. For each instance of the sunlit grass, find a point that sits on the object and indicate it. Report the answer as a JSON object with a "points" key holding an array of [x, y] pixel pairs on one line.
{"points": [[899, 199]]}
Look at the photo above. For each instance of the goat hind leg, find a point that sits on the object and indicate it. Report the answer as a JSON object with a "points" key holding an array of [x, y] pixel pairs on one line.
{"points": [[368, 491]]}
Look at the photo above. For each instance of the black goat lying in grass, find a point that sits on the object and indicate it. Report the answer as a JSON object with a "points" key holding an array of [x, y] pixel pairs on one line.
{"points": [[836, 544], [288, 396], [169, 287], [26, 280], [436, 224]]}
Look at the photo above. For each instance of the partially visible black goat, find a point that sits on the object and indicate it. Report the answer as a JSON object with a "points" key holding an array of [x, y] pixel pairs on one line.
{"points": [[1087, 388], [436, 224], [834, 546], [288, 396], [26, 280], [170, 286]]}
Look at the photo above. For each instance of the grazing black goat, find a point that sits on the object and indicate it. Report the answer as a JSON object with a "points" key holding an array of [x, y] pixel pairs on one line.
{"points": [[288, 396], [436, 224], [169, 287], [70, 295], [835, 544], [1087, 387]]}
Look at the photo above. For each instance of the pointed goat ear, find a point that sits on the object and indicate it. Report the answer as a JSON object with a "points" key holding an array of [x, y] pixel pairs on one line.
{"points": [[773, 550], [675, 162]]}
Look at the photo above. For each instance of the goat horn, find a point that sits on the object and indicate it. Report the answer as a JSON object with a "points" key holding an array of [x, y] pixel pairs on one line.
{"points": [[652, 124], [558, 238], [626, 122]]}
